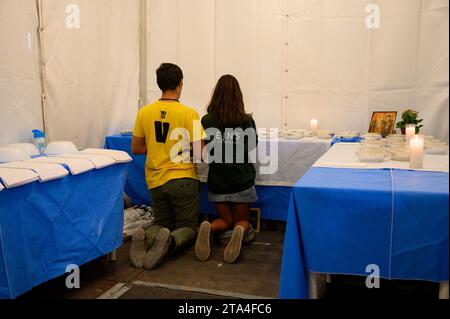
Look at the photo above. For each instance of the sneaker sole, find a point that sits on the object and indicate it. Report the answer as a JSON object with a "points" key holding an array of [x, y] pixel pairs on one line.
{"points": [[136, 260], [247, 238], [203, 244], [159, 249], [233, 250]]}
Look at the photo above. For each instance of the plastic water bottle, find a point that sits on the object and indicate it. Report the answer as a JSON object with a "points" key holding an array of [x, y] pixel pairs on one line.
{"points": [[39, 140]]}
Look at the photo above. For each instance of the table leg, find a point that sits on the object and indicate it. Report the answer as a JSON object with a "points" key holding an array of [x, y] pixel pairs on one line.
{"points": [[112, 257], [443, 290], [317, 285], [313, 285], [328, 279]]}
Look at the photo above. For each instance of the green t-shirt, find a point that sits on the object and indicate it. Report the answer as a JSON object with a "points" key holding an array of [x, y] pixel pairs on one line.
{"points": [[235, 172]]}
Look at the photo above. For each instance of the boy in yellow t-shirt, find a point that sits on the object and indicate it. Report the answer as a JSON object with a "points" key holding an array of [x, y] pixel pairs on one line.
{"points": [[167, 132]]}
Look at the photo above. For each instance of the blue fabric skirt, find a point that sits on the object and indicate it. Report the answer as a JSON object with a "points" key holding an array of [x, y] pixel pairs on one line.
{"points": [[247, 196]]}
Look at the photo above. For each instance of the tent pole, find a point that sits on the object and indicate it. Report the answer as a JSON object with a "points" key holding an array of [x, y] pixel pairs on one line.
{"points": [[42, 67], [285, 97], [142, 53]]}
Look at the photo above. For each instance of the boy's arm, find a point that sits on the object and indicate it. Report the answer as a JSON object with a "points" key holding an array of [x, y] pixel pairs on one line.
{"points": [[138, 146]]}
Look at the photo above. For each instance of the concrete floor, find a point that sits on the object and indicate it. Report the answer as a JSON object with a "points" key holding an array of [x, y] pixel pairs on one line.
{"points": [[181, 276]]}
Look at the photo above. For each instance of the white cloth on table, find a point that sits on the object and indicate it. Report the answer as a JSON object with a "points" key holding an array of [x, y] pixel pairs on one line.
{"points": [[99, 161], [75, 165], [342, 165], [46, 172], [295, 158], [118, 156], [13, 177], [344, 155]]}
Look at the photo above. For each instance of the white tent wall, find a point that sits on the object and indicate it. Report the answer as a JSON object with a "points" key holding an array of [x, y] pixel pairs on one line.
{"points": [[212, 38], [182, 32], [20, 89], [92, 72], [295, 60], [299, 59]]}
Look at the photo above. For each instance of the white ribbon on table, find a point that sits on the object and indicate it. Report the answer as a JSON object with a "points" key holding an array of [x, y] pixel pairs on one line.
{"points": [[46, 171]]}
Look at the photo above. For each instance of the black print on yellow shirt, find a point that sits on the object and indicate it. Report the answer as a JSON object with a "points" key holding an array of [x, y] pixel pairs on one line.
{"points": [[161, 131]]}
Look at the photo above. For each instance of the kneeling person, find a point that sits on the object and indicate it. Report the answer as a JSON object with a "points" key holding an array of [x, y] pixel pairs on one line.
{"points": [[171, 177]]}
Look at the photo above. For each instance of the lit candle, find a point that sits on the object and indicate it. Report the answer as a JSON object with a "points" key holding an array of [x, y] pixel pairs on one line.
{"points": [[314, 124], [416, 148], [410, 131]]}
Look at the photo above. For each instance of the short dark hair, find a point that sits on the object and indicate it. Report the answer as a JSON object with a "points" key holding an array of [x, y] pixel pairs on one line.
{"points": [[169, 76]]}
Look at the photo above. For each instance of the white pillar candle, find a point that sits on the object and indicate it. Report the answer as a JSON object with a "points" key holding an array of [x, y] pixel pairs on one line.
{"points": [[410, 131], [314, 124], [416, 148]]}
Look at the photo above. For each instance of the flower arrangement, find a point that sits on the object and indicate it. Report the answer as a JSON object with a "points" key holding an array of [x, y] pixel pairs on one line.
{"points": [[410, 117]]}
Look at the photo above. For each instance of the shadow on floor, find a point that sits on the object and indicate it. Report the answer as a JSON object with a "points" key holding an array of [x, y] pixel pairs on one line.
{"points": [[181, 276], [256, 274], [354, 287]]}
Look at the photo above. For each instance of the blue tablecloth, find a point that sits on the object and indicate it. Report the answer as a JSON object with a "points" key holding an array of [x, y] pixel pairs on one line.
{"points": [[45, 227], [273, 200], [342, 220]]}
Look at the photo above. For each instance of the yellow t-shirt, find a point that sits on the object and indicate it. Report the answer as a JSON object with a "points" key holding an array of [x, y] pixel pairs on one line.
{"points": [[168, 128]]}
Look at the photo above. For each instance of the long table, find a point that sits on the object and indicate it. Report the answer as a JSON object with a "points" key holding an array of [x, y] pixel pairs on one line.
{"points": [[45, 227], [342, 220], [294, 158]]}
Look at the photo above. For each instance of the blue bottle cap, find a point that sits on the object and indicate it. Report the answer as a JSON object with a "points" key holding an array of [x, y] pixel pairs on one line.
{"points": [[38, 133]]}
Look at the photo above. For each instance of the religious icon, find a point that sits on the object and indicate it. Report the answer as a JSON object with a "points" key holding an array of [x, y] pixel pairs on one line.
{"points": [[383, 123]]}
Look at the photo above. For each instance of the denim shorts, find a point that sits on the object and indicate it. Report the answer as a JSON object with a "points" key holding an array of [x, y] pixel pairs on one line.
{"points": [[247, 196]]}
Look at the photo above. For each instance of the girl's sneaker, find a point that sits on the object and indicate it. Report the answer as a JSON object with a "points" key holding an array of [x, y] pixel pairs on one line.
{"points": [[225, 237], [233, 250]]}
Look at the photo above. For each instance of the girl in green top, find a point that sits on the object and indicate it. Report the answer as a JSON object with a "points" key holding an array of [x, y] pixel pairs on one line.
{"points": [[231, 138]]}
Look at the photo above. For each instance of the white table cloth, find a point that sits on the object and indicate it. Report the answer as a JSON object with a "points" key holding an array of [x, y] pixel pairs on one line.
{"points": [[46, 172], [118, 156], [343, 155], [99, 161], [75, 165], [294, 159], [12, 177]]}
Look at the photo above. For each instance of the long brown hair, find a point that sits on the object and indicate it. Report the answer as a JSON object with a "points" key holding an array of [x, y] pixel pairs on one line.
{"points": [[227, 102]]}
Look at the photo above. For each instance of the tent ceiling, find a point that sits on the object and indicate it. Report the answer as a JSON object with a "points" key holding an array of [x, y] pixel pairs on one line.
{"points": [[295, 59]]}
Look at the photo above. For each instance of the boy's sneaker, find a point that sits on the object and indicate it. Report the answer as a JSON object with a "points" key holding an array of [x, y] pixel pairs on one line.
{"points": [[138, 248], [159, 249], [203, 243], [233, 250]]}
